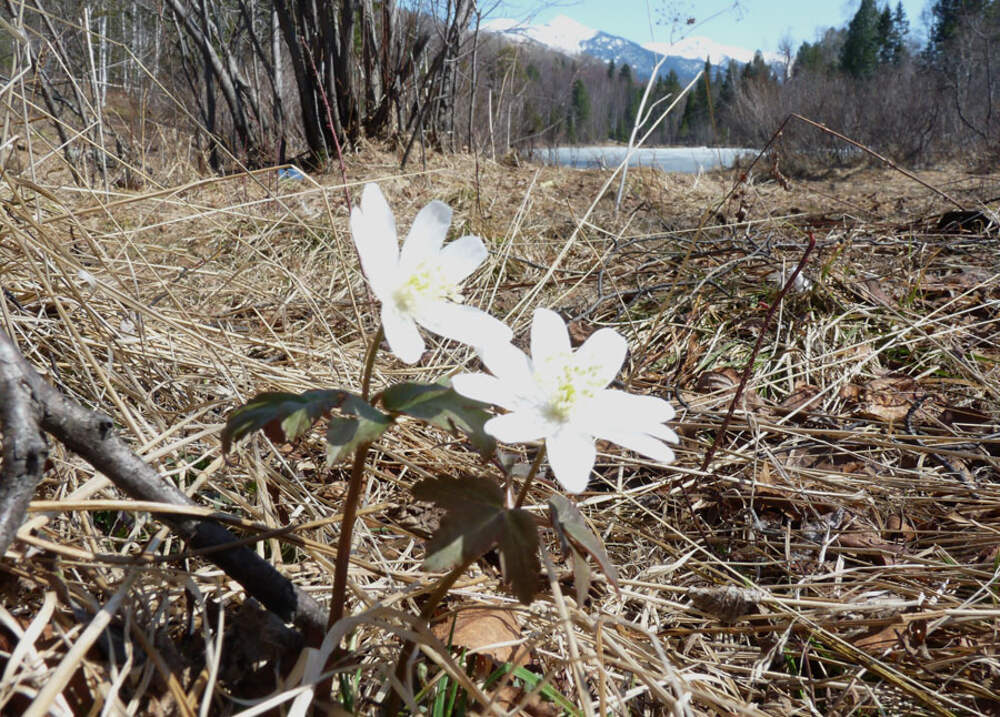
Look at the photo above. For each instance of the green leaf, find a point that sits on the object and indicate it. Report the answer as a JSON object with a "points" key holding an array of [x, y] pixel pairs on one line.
{"points": [[475, 521], [344, 435], [575, 536], [286, 416], [441, 406], [532, 682]]}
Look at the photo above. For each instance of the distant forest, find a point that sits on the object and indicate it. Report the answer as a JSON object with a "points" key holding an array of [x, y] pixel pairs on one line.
{"points": [[266, 81], [869, 80]]}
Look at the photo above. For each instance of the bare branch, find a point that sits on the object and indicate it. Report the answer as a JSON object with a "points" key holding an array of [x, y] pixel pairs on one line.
{"points": [[29, 402]]}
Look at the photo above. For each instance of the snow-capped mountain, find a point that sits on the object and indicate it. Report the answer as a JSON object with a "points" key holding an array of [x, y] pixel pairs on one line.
{"points": [[562, 33], [566, 35], [698, 48]]}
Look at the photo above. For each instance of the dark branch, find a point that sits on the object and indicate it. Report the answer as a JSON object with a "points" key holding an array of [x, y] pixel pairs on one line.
{"points": [[24, 448], [29, 402]]}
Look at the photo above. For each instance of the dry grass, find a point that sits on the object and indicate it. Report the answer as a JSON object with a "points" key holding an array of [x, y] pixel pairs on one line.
{"points": [[825, 563]]}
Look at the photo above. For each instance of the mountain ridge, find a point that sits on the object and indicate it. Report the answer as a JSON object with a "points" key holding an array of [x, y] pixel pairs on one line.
{"points": [[564, 34]]}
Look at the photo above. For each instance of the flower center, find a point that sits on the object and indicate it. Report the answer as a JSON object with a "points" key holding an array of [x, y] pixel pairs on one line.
{"points": [[427, 282], [567, 384]]}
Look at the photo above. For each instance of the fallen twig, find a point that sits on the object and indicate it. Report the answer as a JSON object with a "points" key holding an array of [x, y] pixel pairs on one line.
{"points": [[30, 405]]}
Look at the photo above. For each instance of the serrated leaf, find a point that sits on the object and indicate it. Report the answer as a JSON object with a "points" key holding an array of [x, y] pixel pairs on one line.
{"points": [[472, 523], [286, 416], [475, 521], [441, 406], [570, 526]]}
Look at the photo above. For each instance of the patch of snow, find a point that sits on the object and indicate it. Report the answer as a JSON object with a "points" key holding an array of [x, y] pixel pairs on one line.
{"points": [[700, 48], [560, 33]]}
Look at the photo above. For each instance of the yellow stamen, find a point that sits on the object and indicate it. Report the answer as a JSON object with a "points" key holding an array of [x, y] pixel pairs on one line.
{"points": [[426, 283], [567, 385]]}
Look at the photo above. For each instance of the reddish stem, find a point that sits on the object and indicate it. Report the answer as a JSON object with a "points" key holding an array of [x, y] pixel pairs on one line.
{"points": [[753, 356]]}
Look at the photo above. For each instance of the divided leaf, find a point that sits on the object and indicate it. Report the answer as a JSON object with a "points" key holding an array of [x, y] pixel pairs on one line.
{"points": [[471, 524], [475, 521], [576, 537], [441, 406], [286, 416]]}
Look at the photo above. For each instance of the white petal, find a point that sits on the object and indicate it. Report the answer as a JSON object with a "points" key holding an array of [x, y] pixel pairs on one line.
{"points": [[637, 411], [374, 232], [462, 257], [401, 332], [549, 336], [663, 433], [572, 457], [519, 427], [463, 323], [485, 388], [510, 365], [641, 443], [426, 235], [604, 353]]}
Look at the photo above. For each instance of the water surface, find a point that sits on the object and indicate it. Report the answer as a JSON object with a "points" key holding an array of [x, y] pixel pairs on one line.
{"points": [[667, 159]]}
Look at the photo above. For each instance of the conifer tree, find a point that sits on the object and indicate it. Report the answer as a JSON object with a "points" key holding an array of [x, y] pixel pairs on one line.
{"points": [[694, 122], [946, 16], [892, 30], [860, 55]]}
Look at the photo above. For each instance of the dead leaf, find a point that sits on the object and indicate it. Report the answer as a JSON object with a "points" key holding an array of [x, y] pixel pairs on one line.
{"points": [[722, 385], [883, 640], [900, 525], [890, 398], [872, 289], [509, 697], [869, 539], [804, 396], [850, 392], [477, 628], [728, 603]]}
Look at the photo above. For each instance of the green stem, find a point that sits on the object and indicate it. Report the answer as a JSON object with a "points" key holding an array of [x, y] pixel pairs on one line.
{"points": [[366, 377], [530, 477], [392, 705]]}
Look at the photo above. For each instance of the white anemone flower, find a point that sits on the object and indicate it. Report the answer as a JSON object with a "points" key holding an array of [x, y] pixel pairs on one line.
{"points": [[419, 285], [562, 396]]}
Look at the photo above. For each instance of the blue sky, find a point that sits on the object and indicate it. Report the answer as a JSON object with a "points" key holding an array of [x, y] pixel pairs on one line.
{"points": [[753, 24]]}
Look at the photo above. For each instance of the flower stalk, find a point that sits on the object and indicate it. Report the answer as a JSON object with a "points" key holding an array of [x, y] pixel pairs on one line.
{"points": [[354, 490], [529, 479]]}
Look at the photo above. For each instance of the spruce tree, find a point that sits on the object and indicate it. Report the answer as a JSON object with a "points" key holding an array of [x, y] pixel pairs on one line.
{"points": [[694, 122], [946, 16], [631, 102], [892, 30], [860, 55]]}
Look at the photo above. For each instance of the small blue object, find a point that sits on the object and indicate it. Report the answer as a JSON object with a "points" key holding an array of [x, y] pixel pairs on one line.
{"points": [[291, 173]]}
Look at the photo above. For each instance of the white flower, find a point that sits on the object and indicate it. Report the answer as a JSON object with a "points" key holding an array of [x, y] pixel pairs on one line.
{"points": [[419, 285], [562, 396]]}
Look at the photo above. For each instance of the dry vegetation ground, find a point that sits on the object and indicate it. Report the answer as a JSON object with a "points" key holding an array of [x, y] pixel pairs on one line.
{"points": [[840, 555]]}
